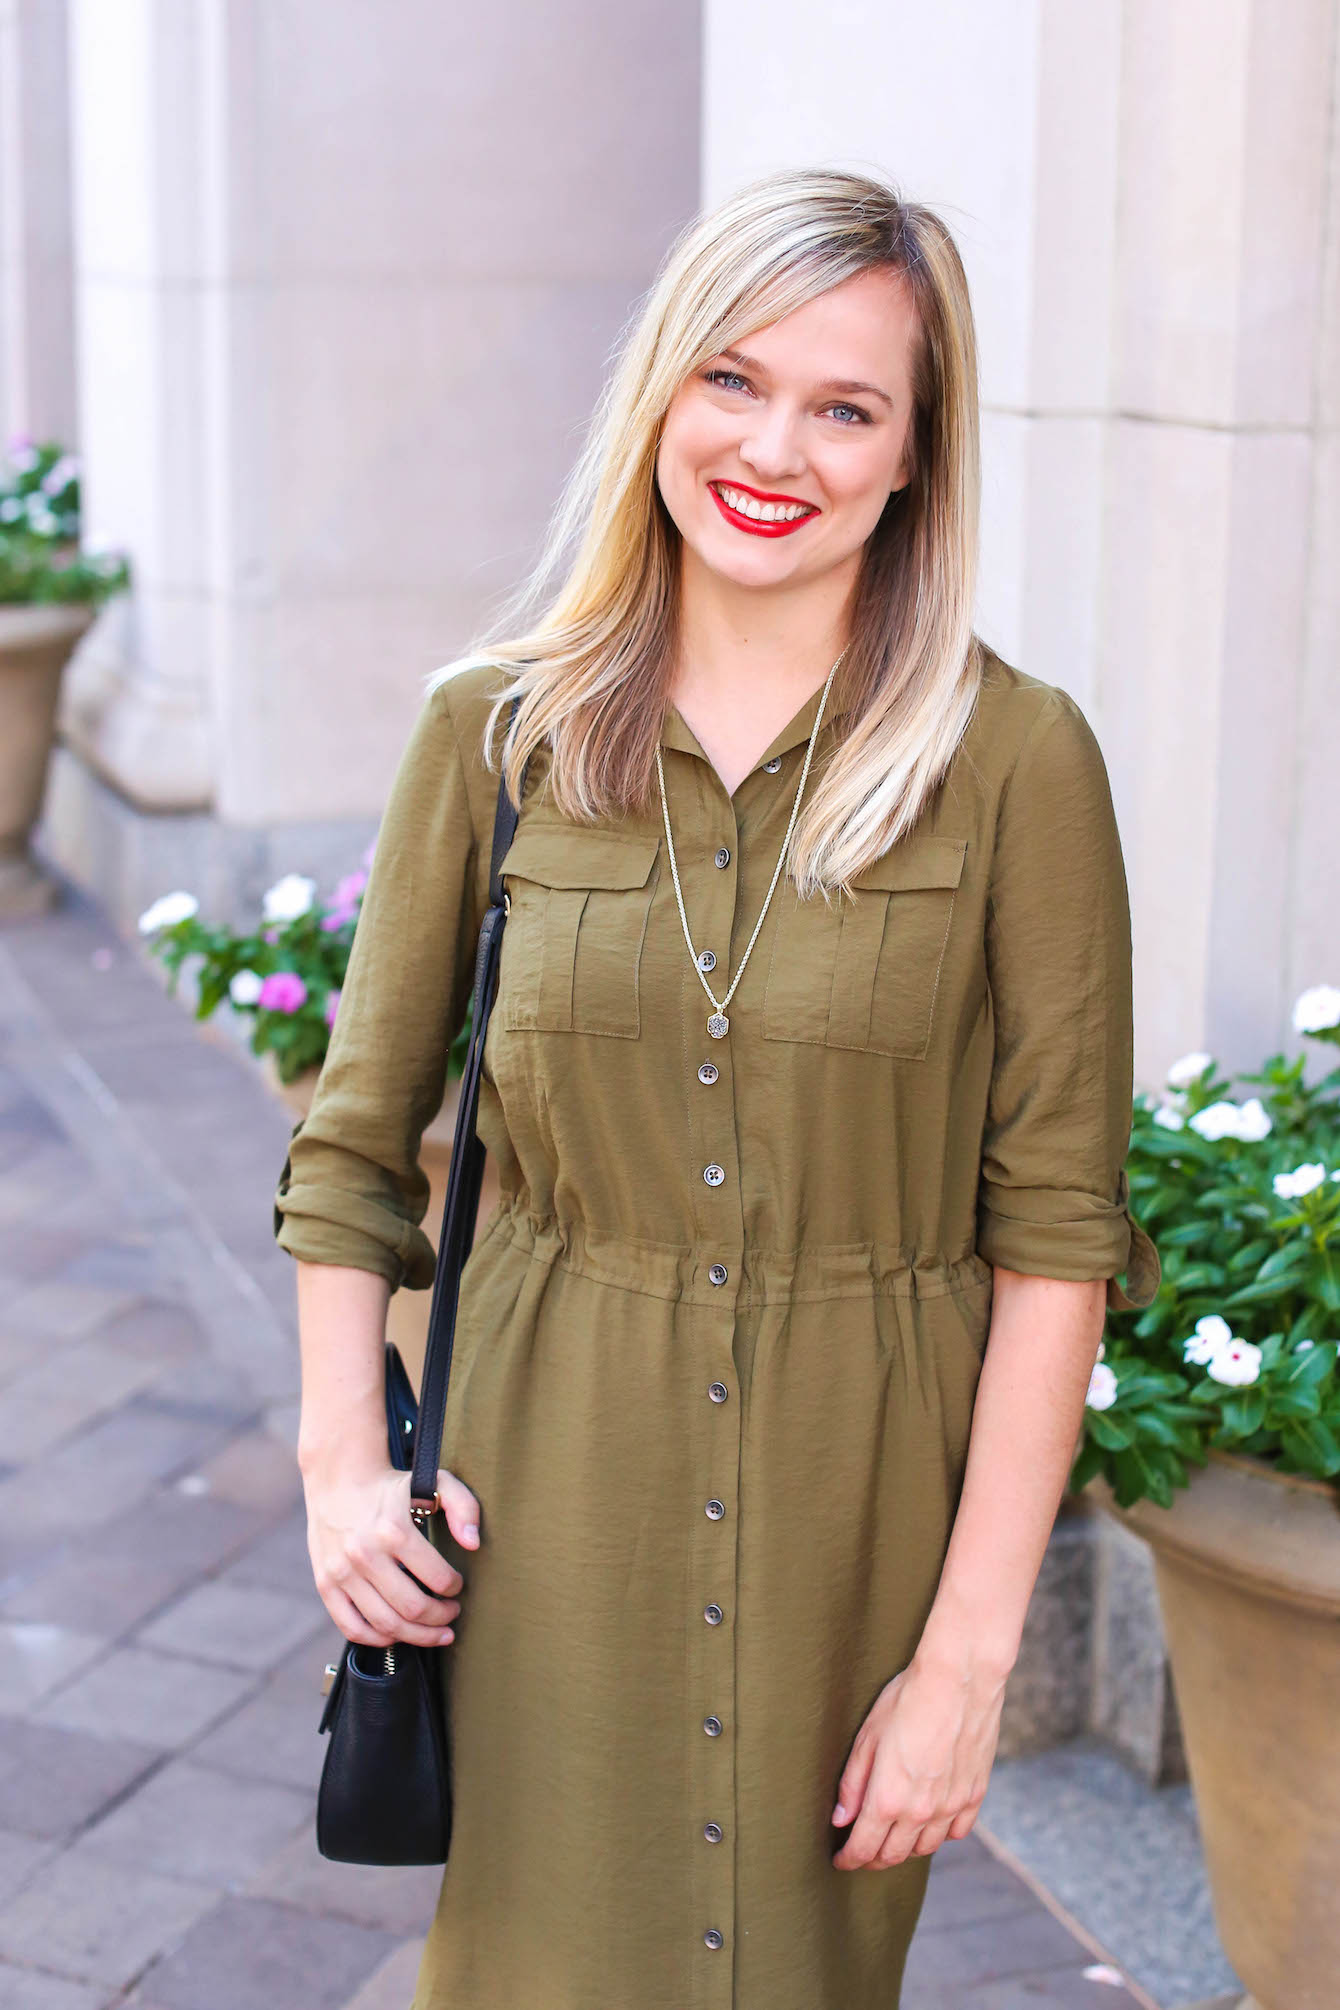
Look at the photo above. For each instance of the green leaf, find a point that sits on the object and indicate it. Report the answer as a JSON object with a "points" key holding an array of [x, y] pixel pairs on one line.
{"points": [[1111, 1432], [1313, 1445], [1242, 1414]]}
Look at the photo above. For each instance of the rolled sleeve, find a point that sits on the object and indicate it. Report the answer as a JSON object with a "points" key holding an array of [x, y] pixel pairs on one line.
{"points": [[1053, 1199], [352, 1190]]}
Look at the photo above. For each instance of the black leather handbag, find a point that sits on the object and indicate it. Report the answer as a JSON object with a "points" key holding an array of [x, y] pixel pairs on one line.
{"points": [[385, 1794]]}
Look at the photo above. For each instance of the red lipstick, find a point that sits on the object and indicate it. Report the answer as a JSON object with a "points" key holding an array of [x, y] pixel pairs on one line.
{"points": [[749, 523]]}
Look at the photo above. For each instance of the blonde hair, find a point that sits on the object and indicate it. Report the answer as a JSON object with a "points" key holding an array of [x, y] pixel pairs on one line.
{"points": [[593, 666]]}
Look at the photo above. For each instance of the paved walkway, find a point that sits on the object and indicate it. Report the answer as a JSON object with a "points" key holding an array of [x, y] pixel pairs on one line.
{"points": [[161, 1644]]}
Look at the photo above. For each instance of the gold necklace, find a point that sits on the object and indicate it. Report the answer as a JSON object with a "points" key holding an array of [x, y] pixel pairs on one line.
{"points": [[718, 1025]]}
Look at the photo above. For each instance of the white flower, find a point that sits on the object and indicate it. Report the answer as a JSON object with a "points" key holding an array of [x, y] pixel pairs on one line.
{"points": [[1304, 1346], [1102, 1349], [1236, 1365], [244, 987], [1317, 1010], [167, 911], [1188, 1070], [1102, 1387], [1168, 1118], [1247, 1122], [1292, 1186], [1253, 1123], [289, 897], [1211, 1336], [59, 473]]}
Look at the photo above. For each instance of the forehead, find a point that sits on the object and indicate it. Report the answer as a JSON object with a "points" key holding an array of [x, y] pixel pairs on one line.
{"points": [[860, 330]]}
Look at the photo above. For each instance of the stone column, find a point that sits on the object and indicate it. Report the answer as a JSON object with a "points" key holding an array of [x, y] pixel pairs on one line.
{"points": [[347, 281], [1146, 200], [37, 369]]}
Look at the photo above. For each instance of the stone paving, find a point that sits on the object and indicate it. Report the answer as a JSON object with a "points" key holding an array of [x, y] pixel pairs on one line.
{"points": [[162, 1644]]}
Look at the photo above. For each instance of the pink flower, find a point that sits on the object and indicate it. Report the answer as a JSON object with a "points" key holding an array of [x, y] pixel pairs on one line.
{"points": [[270, 935], [337, 918], [282, 991], [349, 888], [332, 1006]]}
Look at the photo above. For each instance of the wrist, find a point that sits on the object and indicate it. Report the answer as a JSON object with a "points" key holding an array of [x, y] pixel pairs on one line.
{"points": [[968, 1650], [344, 1454]]}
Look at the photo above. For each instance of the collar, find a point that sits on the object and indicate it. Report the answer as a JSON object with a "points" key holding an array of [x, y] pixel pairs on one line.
{"points": [[677, 733]]}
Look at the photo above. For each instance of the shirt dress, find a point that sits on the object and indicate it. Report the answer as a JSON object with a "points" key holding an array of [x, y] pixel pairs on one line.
{"points": [[718, 1345]]}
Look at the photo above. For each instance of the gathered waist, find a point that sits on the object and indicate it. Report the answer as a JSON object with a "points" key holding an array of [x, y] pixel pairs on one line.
{"points": [[755, 1273]]}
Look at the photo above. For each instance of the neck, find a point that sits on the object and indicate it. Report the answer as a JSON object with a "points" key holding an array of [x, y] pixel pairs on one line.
{"points": [[743, 647]]}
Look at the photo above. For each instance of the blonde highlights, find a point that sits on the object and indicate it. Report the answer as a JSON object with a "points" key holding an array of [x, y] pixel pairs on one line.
{"points": [[591, 656]]}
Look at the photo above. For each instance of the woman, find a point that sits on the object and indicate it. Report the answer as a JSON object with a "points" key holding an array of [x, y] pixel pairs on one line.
{"points": [[809, 1086]]}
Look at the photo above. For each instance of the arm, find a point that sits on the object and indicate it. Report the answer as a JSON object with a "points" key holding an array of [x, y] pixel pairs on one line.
{"points": [[352, 1197], [1041, 1347], [1053, 1221]]}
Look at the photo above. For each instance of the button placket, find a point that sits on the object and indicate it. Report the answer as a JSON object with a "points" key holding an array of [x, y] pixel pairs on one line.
{"points": [[714, 1179]]}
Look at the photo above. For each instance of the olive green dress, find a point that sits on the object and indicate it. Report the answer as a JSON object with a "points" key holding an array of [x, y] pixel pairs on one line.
{"points": [[718, 1346]]}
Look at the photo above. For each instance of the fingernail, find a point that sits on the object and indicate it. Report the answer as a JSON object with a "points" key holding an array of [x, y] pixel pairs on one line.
{"points": [[470, 1532], [445, 1636], [839, 1814]]}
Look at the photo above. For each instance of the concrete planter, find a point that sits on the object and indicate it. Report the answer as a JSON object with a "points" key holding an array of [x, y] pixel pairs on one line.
{"points": [[407, 1314], [1247, 1562], [36, 642]]}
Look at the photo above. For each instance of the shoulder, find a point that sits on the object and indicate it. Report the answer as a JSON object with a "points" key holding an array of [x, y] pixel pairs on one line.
{"points": [[458, 701], [1022, 722]]}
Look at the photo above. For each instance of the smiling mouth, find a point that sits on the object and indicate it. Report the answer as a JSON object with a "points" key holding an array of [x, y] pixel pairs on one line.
{"points": [[762, 516]]}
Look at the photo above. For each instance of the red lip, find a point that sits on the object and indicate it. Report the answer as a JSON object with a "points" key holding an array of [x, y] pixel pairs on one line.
{"points": [[762, 529]]}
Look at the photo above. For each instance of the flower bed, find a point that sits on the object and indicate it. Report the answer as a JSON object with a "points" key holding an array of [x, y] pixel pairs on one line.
{"points": [[1238, 1350]]}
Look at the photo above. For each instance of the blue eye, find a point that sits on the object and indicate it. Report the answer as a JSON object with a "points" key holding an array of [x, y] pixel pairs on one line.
{"points": [[718, 376]]}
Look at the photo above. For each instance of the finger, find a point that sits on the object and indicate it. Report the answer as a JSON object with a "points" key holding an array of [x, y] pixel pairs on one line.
{"points": [[431, 1568], [350, 1620], [460, 1508], [864, 1842], [930, 1838], [404, 1598], [852, 1785], [394, 1630], [899, 1844]]}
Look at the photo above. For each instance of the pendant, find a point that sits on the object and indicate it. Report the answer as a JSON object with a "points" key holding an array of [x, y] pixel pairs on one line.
{"points": [[718, 1025]]}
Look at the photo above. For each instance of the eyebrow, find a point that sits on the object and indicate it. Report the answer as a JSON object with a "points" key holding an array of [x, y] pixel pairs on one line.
{"points": [[829, 383]]}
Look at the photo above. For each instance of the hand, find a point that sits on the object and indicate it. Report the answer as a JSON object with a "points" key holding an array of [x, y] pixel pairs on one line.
{"points": [[366, 1554], [918, 1766]]}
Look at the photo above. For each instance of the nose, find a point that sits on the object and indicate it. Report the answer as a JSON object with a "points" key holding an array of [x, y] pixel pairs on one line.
{"points": [[771, 446]]}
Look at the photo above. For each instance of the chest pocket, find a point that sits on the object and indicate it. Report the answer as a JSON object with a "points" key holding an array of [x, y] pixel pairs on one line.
{"points": [[864, 973], [572, 947]]}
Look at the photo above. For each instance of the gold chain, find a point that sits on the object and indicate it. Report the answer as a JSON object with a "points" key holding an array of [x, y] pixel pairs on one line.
{"points": [[718, 1025]]}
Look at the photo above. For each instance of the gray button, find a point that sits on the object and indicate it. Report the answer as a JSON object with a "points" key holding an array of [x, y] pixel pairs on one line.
{"points": [[713, 1832], [718, 1391], [723, 856], [714, 1174], [713, 1938], [713, 1614], [715, 1510], [708, 1072], [712, 1726], [706, 960], [771, 767], [718, 1273]]}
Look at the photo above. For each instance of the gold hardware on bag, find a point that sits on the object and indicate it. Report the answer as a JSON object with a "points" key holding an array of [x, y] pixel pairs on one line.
{"points": [[422, 1512], [332, 1670]]}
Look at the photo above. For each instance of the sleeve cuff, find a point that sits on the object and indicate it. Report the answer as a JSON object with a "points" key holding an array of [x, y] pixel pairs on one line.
{"points": [[1045, 1232], [331, 1224]]}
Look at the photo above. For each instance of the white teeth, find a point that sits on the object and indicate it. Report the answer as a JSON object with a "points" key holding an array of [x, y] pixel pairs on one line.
{"points": [[762, 512]]}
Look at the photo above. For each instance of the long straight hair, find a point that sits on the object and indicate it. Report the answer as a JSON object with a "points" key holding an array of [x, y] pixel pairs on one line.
{"points": [[591, 658]]}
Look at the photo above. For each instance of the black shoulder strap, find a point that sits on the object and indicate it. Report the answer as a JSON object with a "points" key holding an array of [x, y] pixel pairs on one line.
{"points": [[465, 1177]]}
